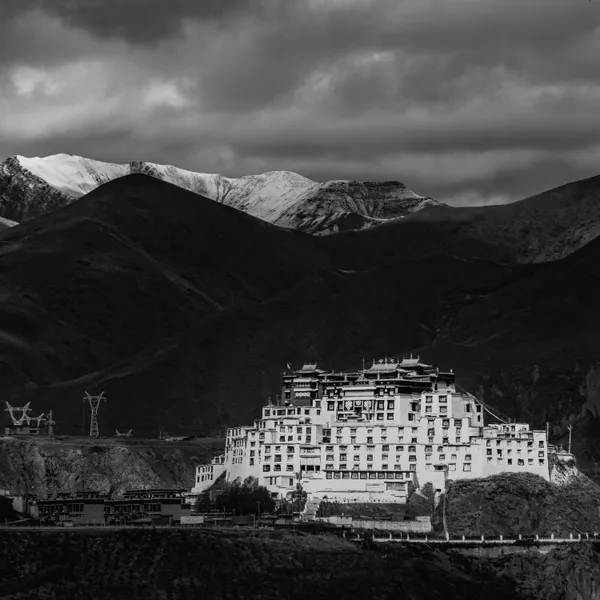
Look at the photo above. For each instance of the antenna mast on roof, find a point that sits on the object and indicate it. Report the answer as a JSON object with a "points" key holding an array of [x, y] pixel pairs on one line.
{"points": [[570, 436]]}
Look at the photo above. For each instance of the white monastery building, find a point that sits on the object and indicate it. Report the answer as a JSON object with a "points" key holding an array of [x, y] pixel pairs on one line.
{"points": [[370, 435]]}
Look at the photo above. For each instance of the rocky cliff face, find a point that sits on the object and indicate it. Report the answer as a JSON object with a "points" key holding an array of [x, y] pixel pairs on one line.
{"points": [[24, 195], [511, 504], [30, 186], [45, 468]]}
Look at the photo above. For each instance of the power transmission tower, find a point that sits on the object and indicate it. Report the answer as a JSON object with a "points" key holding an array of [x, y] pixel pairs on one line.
{"points": [[94, 405], [50, 423]]}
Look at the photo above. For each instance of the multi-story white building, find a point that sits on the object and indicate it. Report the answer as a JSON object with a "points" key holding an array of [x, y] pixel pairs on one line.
{"points": [[367, 435]]}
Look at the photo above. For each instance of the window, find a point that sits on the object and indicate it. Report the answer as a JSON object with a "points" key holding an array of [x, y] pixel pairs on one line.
{"points": [[380, 416], [541, 444], [289, 468], [390, 405], [369, 457], [521, 462], [428, 457], [343, 457], [442, 457], [509, 461], [428, 399], [443, 399], [411, 416], [428, 409], [329, 457], [399, 448], [356, 458], [467, 467], [329, 467], [468, 457], [290, 449], [412, 458], [369, 440], [443, 409], [266, 468], [412, 448], [385, 448]]}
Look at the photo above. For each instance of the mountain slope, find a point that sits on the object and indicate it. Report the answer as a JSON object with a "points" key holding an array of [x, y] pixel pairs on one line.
{"points": [[128, 265], [30, 186], [523, 337], [185, 311]]}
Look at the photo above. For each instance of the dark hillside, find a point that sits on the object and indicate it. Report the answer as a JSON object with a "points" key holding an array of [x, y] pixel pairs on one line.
{"points": [[222, 370], [544, 227], [130, 264]]}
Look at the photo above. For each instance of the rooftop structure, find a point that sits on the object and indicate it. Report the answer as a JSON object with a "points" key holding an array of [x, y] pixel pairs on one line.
{"points": [[371, 434]]}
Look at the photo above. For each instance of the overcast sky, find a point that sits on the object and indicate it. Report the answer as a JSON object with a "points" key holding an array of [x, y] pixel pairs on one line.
{"points": [[468, 101]]}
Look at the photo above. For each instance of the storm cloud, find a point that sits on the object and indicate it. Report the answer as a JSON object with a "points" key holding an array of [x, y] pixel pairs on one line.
{"points": [[470, 101]]}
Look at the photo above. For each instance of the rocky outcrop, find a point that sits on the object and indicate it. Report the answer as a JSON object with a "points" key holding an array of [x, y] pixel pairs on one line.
{"points": [[24, 195], [521, 503], [47, 467]]}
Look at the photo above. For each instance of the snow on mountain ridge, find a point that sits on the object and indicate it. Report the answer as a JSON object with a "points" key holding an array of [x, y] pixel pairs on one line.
{"points": [[284, 198], [70, 174]]}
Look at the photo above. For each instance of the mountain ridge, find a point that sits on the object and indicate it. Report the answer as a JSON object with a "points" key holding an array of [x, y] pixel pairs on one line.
{"points": [[30, 186]]}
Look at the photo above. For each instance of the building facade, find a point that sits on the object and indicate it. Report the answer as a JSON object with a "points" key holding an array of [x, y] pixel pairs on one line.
{"points": [[372, 434]]}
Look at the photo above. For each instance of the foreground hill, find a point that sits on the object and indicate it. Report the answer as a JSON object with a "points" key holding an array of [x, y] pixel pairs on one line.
{"points": [[31, 186], [191, 564]]}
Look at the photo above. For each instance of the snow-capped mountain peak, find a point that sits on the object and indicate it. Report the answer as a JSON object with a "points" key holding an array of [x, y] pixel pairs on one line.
{"points": [[29, 186]]}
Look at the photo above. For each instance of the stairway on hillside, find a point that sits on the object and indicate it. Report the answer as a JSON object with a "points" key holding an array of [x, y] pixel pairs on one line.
{"points": [[310, 510]]}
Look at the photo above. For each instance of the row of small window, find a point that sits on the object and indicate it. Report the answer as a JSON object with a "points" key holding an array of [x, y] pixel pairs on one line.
{"points": [[299, 429], [376, 405], [383, 431], [275, 412], [541, 443], [520, 461], [384, 448], [366, 475], [441, 399], [370, 430], [397, 467], [277, 467], [509, 452]]}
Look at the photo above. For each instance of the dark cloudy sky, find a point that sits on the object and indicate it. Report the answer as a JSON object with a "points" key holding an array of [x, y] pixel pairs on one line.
{"points": [[469, 101]]}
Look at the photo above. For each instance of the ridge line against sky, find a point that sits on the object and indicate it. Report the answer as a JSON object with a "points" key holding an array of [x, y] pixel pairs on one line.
{"points": [[469, 101]]}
